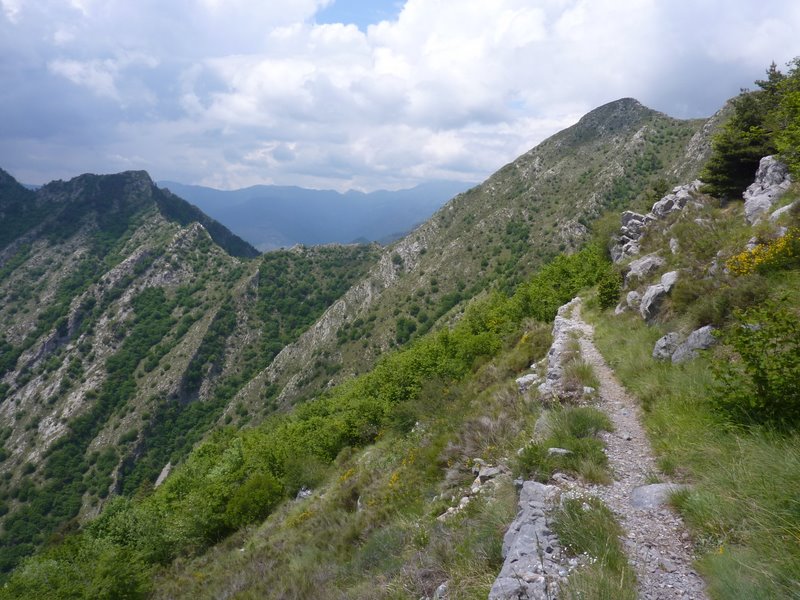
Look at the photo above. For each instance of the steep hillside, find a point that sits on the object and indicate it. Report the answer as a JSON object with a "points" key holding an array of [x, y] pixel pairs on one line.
{"points": [[495, 235], [130, 322]]}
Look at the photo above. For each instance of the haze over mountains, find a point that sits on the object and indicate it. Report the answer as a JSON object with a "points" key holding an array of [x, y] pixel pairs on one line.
{"points": [[271, 217]]}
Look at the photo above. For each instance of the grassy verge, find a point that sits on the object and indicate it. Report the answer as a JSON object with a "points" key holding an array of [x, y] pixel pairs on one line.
{"points": [[743, 508], [586, 526], [574, 429]]}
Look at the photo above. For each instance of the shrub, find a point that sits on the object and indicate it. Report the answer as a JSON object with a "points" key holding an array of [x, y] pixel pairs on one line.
{"points": [[254, 500], [772, 255], [757, 379], [608, 289]]}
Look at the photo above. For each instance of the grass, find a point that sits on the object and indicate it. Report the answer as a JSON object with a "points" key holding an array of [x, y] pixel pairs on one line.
{"points": [[572, 428], [744, 506], [371, 531], [586, 526]]}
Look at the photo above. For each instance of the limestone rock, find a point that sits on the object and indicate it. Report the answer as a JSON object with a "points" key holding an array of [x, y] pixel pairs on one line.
{"points": [[562, 328], [558, 451], [677, 200], [669, 279], [529, 546], [527, 381], [666, 346], [441, 591], [487, 473], [699, 339], [651, 301], [634, 299], [674, 246], [640, 268], [781, 211], [772, 180], [654, 495]]}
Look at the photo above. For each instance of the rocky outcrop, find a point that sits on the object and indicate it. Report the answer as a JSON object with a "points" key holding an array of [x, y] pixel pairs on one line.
{"points": [[772, 181], [782, 211], [563, 329], [634, 224], [655, 294], [699, 339], [641, 268], [666, 346], [530, 548]]}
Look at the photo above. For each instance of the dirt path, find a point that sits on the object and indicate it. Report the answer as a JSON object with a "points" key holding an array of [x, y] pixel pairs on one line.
{"points": [[656, 541]]}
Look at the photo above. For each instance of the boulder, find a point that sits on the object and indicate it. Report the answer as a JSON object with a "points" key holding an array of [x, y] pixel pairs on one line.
{"points": [[673, 245], [527, 381], [771, 182], [699, 339], [629, 217], [677, 200], [669, 279], [634, 299], [666, 346], [654, 495], [642, 267], [651, 301]]}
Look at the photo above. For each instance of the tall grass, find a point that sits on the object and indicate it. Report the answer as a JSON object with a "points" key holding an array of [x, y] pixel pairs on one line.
{"points": [[586, 526], [744, 505]]}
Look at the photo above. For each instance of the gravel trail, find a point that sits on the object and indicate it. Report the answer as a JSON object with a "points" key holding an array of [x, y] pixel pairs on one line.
{"points": [[656, 541]]}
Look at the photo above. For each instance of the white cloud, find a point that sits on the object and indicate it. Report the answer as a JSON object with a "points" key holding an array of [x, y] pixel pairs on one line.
{"points": [[96, 75], [244, 91]]}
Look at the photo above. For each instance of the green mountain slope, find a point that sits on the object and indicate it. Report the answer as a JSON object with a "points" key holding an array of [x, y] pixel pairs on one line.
{"points": [[495, 235], [128, 331]]}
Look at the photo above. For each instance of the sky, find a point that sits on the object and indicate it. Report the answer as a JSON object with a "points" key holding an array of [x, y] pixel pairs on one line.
{"points": [[352, 94]]}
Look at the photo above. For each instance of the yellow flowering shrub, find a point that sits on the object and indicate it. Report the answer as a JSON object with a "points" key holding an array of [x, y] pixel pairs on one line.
{"points": [[773, 254]]}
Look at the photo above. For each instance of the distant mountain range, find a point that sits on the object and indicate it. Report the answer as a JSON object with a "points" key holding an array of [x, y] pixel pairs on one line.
{"points": [[271, 217]]}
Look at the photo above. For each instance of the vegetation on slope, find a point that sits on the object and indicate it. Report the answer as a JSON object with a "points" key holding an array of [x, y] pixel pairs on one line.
{"points": [[765, 121], [142, 334], [235, 478], [497, 234], [728, 420]]}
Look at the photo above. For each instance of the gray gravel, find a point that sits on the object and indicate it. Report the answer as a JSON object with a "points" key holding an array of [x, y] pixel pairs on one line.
{"points": [[656, 541]]}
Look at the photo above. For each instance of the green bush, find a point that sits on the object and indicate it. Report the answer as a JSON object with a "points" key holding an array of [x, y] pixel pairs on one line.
{"points": [[254, 500], [758, 377], [609, 288]]}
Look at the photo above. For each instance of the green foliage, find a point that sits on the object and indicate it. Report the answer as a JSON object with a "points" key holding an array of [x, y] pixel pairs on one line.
{"points": [[763, 122], [253, 500], [609, 288], [559, 281], [759, 381], [232, 479]]}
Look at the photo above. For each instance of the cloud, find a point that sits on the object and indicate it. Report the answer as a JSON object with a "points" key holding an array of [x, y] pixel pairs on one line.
{"points": [[239, 92]]}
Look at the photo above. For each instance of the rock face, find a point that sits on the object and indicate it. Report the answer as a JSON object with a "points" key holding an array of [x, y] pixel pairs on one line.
{"points": [[562, 329], [655, 294], [530, 549], [635, 224], [781, 211], [640, 268], [666, 346], [699, 339], [772, 180]]}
